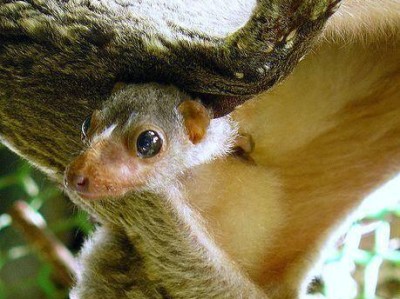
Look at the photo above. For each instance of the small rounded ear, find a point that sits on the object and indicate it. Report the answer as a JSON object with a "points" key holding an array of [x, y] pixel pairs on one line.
{"points": [[118, 86], [196, 119]]}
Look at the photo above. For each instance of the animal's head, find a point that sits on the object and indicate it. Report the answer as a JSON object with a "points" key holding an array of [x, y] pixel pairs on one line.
{"points": [[143, 137]]}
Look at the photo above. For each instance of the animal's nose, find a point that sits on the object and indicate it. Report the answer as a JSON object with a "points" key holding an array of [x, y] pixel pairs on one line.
{"points": [[78, 182]]}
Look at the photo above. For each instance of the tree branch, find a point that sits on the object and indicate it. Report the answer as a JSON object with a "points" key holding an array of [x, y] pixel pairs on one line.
{"points": [[48, 247]]}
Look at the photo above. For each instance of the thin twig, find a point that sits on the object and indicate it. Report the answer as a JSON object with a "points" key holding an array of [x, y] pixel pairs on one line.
{"points": [[43, 241]]}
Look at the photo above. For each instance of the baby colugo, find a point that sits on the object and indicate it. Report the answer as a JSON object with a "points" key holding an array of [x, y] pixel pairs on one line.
{"points": [[144, 137], [140, 146]]}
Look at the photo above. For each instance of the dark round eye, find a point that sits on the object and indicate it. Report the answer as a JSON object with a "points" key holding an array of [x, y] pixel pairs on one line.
{"points": [[85, 128], [148, 144]]}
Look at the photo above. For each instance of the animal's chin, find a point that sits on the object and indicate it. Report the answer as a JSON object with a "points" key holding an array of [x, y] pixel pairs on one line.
{"points": [[94, 196]]}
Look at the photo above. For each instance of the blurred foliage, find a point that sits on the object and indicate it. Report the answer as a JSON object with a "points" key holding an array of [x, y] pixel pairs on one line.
{"points": [[365, 264], [22, 273]]}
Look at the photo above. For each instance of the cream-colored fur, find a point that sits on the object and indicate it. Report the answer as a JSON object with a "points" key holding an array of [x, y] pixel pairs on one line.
{"points": [[324, 139], [241, 221]]}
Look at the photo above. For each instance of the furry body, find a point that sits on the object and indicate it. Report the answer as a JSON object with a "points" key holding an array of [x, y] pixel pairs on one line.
{"points": [[302, 167], [324, 139], [142, 217], [328, 136]]}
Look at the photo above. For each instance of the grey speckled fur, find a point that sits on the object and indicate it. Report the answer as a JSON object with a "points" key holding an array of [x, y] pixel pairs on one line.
{"points": [[91, 44]]}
